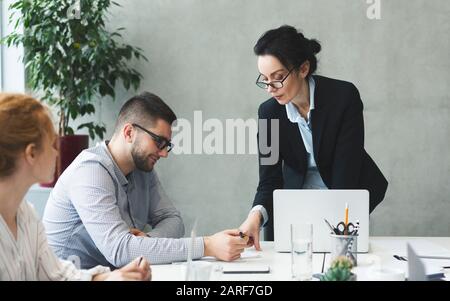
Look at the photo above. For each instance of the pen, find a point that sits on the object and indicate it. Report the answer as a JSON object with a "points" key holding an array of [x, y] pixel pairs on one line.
{"points": [[399, 258], [356, 228], [248, 239], [140, 260], [333, 229]]}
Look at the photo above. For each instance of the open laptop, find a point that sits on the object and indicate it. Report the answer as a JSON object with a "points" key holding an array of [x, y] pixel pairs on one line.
{"points": [[313, 206]]}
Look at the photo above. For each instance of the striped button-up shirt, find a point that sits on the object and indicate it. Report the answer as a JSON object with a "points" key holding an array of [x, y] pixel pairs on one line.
{"points": [[93, 206], [29, 257]]}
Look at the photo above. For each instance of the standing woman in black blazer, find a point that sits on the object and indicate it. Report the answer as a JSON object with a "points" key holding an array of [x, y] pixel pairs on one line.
{"points": [[321, 129]]}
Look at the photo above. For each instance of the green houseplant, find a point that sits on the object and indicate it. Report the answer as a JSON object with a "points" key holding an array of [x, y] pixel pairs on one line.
{"points": [[73, 60]]}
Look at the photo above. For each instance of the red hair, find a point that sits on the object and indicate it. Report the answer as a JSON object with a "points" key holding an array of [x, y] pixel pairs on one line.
{"points": [[23, 120]]}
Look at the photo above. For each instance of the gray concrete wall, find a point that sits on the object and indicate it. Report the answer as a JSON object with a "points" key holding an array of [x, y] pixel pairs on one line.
{"points": [[200, 58]]}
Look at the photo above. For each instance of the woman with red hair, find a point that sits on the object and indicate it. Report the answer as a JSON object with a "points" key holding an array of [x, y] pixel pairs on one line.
{"points": [[28, 151]]}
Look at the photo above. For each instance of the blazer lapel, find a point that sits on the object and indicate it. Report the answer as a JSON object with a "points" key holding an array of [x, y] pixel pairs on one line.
{"points": [[318, 117]]}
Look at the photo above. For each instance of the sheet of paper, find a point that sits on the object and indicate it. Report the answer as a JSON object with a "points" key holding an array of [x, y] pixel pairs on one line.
{"points": [[421, 246], [249, 253]]}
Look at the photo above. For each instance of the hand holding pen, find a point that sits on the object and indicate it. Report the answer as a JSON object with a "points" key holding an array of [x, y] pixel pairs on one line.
{"points": [[251, 227], [138, 269], [248, 239], [144, 268]]}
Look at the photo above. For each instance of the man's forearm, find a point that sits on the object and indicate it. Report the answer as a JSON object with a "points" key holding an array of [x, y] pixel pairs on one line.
{"points": [[171, 227]]}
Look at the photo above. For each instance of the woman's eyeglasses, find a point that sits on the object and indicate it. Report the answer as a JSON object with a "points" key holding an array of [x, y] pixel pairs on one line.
{"points": [[277, 84]]}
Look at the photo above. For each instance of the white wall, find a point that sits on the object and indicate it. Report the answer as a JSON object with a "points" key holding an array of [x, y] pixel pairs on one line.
{"points": [[12, 69], [200, 58]]}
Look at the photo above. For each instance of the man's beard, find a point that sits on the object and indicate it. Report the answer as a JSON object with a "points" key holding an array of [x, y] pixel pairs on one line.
{"points": [[140, 160]]}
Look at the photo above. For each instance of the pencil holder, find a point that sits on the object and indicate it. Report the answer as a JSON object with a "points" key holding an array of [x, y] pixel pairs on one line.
{"points": [[344, 245]]}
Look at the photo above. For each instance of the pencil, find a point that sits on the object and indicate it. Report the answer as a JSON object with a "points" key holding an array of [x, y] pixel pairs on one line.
{"points": [[346, 214], [346, 218]]}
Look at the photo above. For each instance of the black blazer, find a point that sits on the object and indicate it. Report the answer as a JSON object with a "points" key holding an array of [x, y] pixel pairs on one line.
{"points": [[338, 142]]}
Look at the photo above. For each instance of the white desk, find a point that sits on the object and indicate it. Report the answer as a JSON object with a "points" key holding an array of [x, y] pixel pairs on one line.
{"points": [[381, 252], [280, 267]]}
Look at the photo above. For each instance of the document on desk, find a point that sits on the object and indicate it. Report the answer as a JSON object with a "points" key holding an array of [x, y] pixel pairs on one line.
{"points": [[421, 246], [246, 255], [250, 253], [246, 264]]}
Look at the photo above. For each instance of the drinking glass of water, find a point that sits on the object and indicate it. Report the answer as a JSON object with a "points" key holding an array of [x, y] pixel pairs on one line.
{"points": [[301, 251]]}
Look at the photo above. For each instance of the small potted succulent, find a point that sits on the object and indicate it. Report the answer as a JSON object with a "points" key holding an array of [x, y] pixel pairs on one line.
{"points": [[340, 270]]}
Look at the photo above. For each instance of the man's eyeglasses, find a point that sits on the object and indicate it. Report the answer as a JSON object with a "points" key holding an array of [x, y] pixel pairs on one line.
{"points": [[161, 142], [277, 84]]}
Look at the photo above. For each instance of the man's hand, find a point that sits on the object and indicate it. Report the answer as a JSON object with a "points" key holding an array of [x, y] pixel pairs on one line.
{"points": [[137, 232], [251, 227], [226, 245]]}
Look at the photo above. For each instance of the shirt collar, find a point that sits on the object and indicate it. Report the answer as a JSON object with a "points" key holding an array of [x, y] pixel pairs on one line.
{"points": [[120, 176], [291, 110]]}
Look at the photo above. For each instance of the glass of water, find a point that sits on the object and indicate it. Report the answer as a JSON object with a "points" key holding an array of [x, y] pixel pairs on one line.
{"points": [[301, 251]]}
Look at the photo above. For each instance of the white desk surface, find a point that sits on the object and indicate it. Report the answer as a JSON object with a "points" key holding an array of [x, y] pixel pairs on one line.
{"points": [[381, 252]]}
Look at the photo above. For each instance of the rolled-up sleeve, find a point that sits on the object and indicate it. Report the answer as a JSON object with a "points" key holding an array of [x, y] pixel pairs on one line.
{"points": [[93, 196]]}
